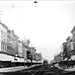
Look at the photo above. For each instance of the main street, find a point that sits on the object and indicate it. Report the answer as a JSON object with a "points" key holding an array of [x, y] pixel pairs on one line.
{"points": [[40, 70]]}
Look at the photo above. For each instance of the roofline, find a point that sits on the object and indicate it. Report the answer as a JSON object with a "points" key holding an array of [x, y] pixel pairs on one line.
{"points": [[4, 25], [72, 29]]}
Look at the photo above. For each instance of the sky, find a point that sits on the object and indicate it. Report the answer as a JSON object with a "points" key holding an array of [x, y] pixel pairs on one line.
{"points": [[47, 26]]}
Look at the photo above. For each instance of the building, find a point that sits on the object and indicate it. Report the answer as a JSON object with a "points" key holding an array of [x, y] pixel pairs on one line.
{"points": [[15, 42], [38, 56], [69, 45], [58, 57], [26, 49], [33, 51], [73, 39], [12, 43], [24, 53], [3, 43], [20, 49], [3, 38], [26, 42]]}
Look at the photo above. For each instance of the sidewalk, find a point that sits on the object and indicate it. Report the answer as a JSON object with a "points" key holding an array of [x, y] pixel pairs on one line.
{"points": [[56, 65], [68, 70], [14, 69]]}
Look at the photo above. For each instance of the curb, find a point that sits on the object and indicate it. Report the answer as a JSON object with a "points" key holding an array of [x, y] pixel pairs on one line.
{"points": [[12, 69]]}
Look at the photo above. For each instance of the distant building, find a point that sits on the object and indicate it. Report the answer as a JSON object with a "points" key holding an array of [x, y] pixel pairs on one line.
{"points": [[73, 39], [33, 51], [66, 51], [26, 50], [15, 42], [20, 49], [26, 42], [38, 56], [57, 58], [69, 45]]}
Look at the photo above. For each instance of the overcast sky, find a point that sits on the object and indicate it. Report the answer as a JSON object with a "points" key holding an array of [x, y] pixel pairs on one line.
{"points": [[47, 25]]}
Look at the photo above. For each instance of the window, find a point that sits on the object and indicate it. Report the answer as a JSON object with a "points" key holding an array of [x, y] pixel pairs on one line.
{"points": [[5, 47], [2, 45]]}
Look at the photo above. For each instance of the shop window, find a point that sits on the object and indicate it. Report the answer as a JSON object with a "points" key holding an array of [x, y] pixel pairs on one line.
{"points": [[2, 45]]}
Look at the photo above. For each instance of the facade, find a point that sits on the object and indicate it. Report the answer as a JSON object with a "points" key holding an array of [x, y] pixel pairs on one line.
{"points": [[58, 58], [20, 49], [66, 51], [10, 43], [26, 49], [38, 56], [26, 42], [73, 40], [24, 52], [33, 51], [69, 45], [4, 44], [15, 42], [28, 52], [12, 46], [73, 37], [3, 37]]}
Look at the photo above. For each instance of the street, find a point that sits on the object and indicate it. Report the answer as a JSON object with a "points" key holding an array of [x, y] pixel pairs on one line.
{"points": [[40, 70]]}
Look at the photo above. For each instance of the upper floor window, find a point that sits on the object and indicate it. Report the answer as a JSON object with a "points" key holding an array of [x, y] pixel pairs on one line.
{"points": [[3, 45]]}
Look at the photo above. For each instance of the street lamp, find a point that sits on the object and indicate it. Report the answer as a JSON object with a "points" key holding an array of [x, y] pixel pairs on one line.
{"points": [[35, 3], [15, 58], [25, 55]]}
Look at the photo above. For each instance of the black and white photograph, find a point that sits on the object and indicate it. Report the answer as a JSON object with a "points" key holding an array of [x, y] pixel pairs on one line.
{"points": [[37, 37]]}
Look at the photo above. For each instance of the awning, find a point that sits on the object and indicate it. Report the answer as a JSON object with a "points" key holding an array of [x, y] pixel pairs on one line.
{"points": [[5, 57], [73, 57]]}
